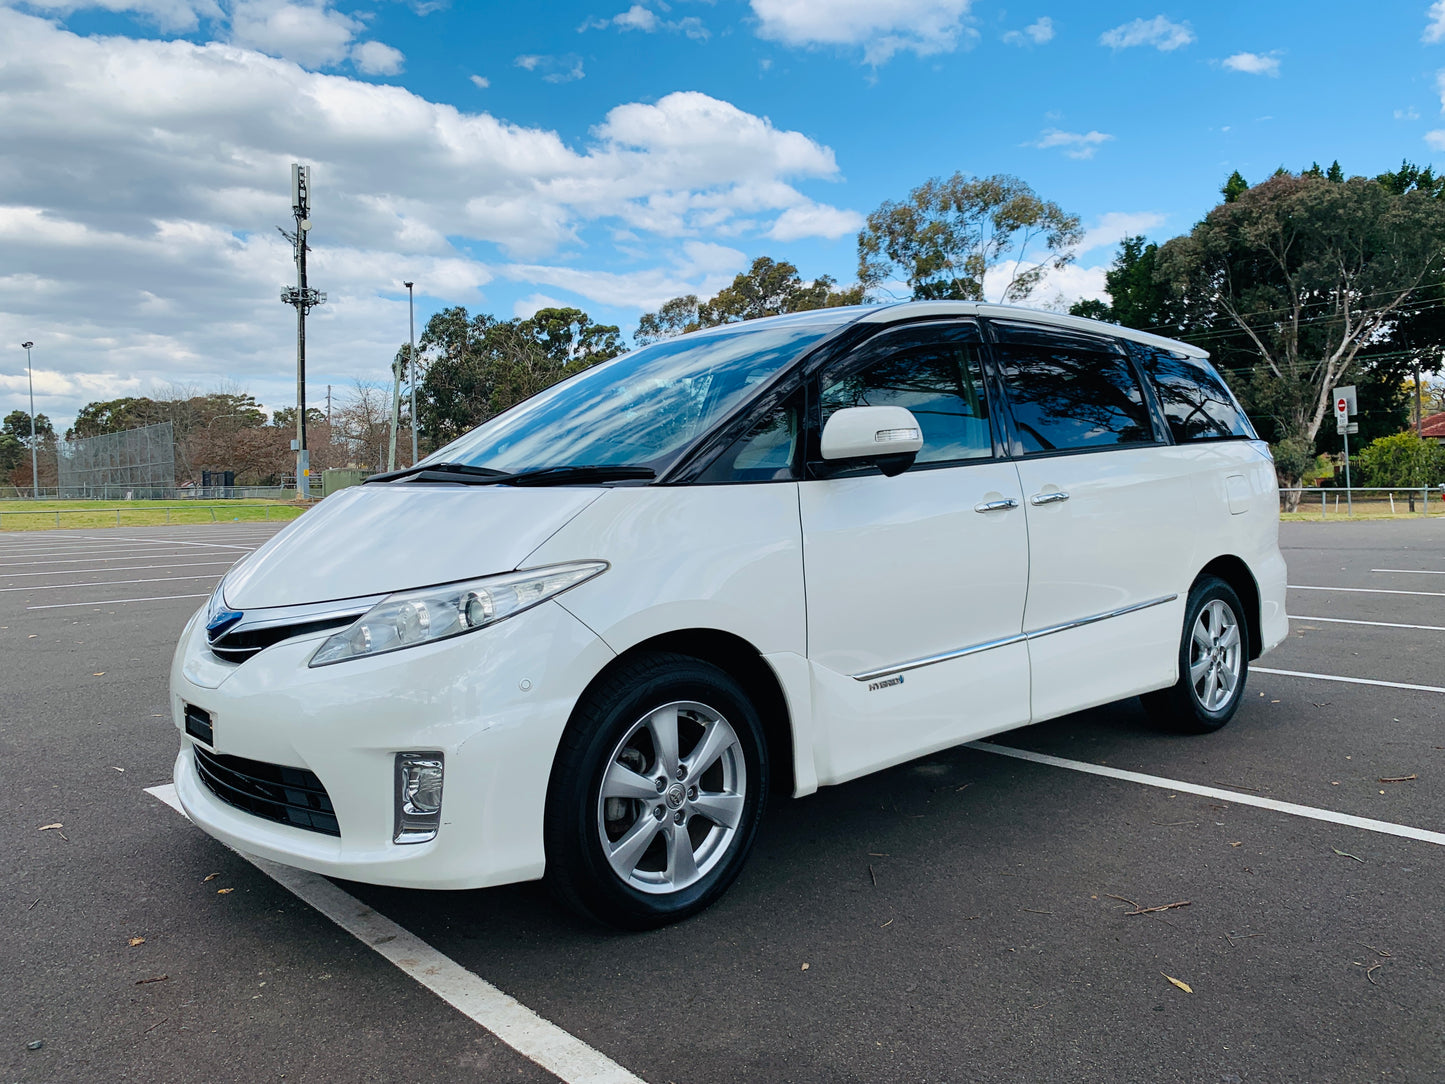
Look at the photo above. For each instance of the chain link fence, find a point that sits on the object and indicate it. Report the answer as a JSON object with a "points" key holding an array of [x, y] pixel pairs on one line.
{"points": [[137, 464]]}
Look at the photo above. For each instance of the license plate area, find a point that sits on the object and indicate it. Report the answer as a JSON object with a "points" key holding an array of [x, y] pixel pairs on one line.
{"points": [[199, 726]]}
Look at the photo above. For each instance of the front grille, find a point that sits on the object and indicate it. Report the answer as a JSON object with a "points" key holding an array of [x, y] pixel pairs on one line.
{"points": [[237, 647], [291, 796]]}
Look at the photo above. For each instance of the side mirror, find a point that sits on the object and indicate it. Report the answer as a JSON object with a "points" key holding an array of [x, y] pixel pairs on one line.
{"points": [[889, 436]]}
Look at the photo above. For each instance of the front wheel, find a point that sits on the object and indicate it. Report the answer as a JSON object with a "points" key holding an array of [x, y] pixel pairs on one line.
{"points": [[1213, 662], [656, 793]]}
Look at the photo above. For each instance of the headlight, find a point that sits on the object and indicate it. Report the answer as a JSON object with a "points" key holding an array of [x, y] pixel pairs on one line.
{"points": [[409, 618]]}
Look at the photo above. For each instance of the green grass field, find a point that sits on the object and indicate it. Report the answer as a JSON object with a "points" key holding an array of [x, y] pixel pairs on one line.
{"points": [[48, 515]]}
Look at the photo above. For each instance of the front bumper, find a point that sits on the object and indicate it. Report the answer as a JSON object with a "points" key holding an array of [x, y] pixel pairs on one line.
{"points": [[494, 702]]}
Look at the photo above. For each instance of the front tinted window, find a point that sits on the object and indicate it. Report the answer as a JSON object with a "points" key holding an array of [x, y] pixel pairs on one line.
{"points": [[1070, 392], [644, 408], [932, 371], [1196, 403], [765, 453]]}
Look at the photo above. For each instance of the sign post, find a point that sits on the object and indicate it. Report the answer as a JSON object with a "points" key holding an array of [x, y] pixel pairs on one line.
{"points": [[1345, 405]]}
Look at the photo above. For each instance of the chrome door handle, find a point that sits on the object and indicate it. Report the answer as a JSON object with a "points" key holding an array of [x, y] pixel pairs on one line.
{"points": [[1049, 498], [996, 506]]}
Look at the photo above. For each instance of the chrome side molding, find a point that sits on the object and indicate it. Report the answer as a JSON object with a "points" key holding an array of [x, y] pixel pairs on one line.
{"points": [[974, 649]]}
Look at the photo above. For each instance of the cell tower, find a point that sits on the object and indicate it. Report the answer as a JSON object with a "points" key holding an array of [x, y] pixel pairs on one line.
{"points": [[304, 298]]}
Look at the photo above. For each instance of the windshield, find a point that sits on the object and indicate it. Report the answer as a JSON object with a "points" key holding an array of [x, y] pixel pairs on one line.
{"points": [[646, 407]]}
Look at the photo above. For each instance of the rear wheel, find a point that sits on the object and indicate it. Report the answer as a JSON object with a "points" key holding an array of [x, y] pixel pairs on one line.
{"points": [[1213, 662], [656, 793]]}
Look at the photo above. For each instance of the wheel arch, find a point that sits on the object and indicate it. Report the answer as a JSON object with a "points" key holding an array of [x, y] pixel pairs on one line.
{"points": [[741, 660], [1233, 571]]}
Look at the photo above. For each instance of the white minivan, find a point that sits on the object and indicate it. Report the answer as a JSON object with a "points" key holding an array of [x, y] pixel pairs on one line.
{"points": [[586, 640]]}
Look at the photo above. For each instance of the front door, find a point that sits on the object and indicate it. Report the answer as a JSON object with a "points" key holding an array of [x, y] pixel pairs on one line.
{"points": [[915, 584]]}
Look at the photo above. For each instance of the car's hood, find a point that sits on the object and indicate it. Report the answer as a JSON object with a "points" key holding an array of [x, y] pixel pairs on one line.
{"points": [[375, 539]]}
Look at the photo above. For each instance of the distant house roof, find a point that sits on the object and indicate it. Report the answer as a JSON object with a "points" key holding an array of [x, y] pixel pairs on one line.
{"points": [[1434, 426]]}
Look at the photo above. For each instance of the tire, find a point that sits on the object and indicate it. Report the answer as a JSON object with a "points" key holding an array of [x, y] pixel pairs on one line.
{"points": [[656, 793], [1213, 662]]}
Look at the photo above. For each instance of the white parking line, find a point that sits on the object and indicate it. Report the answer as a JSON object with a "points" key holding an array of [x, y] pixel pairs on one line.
{"points": [[1377, 624], [108, 583], [84, 560], [559, 1052], [1349, 680], [1367, 824], [1367, 590], [1413, 571], [113, 601], [134, 568], [179, 542]]}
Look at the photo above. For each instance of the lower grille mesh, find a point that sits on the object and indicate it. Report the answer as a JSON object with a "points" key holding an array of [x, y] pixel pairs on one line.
{"points": [[291, 796]]}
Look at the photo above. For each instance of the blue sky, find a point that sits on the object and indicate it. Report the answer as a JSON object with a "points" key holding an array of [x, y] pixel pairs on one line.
{"points": [[608, 155]]}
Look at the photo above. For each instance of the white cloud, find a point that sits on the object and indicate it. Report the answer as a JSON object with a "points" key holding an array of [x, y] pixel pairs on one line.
{"points": [[815, 220], [173, 16], [925, 27], [1435, 28], [1039, 32], [640, 17], [481, 82], [636, 17], [174, 274], [528, 307], [1253, 64], [1159, 32], [374, 58], [1074, 144], [555, 69], [1409, 113], [1113, 227], [311, 34], [1435, 140]]}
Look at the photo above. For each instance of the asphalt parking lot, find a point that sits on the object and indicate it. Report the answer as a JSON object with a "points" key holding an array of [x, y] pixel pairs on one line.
{"points": [[973, 916]]}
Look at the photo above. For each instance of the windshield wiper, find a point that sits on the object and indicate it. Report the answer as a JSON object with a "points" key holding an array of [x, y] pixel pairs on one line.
{"points": [[486, 476], [443, 472], [557, 476]]}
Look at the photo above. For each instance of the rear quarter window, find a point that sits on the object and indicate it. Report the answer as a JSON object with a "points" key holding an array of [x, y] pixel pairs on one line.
{"points": [[1196, 403]]}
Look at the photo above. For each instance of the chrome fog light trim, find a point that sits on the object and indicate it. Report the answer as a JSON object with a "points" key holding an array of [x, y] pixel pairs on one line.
{"points": [[418, 797]]}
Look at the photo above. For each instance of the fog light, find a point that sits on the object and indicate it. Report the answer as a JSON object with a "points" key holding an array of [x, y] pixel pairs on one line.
{"points": [[418, 797]]}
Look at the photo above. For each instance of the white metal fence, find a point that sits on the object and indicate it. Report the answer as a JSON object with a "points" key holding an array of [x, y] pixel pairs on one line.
{"points": [[1345, 501]]}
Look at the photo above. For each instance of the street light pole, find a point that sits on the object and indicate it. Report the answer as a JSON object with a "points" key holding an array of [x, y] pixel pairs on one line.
{"points": [[34, 461], [411, 357]]}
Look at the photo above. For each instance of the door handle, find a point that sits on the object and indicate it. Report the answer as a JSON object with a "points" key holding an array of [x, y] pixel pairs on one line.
{"points": [[996, 506], [1049, 498]]}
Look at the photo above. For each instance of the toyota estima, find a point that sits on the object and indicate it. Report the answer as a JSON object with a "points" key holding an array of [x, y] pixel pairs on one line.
{"points": [[584, 641]]}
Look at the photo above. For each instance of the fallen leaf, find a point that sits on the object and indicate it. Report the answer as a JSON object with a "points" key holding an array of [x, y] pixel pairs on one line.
{"points": [[1240, 843], [98, 673], [223, 891], [1347, 854], [805, 967], [1182, 985], [48, 827], [115, 769], [209, 877], [134, 941]]}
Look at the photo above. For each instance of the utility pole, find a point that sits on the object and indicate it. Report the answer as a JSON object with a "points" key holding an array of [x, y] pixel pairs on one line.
{"points": [[411, 357], [395, 412], [304, 299], [1419, 402], [328, 406], [34, 462]]}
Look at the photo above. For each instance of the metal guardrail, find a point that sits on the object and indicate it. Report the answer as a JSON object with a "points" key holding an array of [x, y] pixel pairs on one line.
{"points": [[1345, 496], [58, 512]]}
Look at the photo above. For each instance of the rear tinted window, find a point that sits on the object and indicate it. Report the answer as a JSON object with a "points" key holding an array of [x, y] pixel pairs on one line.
{"points": [[1070, 392], [1196, 403]]}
